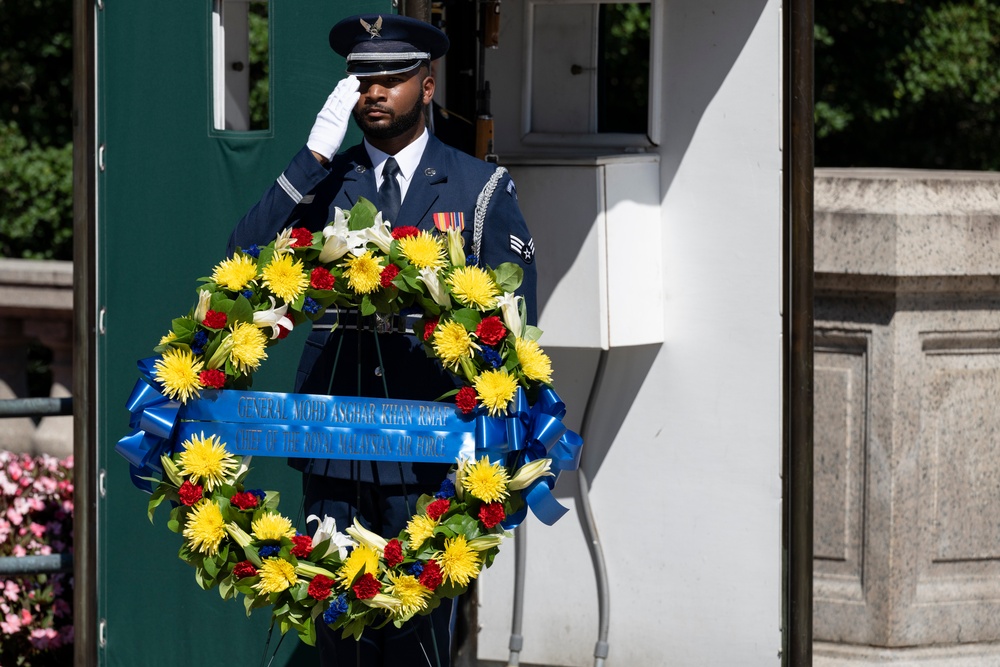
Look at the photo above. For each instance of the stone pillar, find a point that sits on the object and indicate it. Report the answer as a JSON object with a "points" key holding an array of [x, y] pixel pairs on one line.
{"points": [[54, 434], [907, 423], [16, 433]]}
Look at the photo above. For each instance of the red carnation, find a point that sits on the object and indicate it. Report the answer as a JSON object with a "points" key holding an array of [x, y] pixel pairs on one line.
{"points": [[303, 545], [491, 330], [283, 331], [189, 493], [303, 237], [212, 378], [388, 273], [491, 514], [245, 500], [214, 319], [320, 278], [393, 553], [243, 570], [431, 577], [319, 587], [429, 328], [404, 231], [367, 587], [437, 508], [465, 399]]}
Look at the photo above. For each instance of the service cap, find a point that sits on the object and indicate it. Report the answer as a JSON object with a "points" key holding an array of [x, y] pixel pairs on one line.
{"points": [[377, 44]]}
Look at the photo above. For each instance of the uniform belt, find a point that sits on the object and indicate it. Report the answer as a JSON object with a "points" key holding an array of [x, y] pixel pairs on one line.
{"points": [[352, 320]]}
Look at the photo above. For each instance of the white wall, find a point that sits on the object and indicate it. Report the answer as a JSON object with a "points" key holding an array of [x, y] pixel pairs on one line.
{"points": [[685, 452]]}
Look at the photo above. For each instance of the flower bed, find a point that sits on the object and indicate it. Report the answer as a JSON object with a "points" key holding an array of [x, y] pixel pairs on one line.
{"points": [[36, 519]]}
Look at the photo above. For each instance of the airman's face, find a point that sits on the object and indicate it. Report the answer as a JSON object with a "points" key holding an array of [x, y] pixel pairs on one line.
{"points": [[393, 104]]}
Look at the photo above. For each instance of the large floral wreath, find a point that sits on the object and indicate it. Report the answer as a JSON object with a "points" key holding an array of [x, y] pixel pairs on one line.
{"points": [[472, 322]]}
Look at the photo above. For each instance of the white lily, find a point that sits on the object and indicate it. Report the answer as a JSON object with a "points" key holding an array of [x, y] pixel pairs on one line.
{"points": [[339, 240], [366, 537], [221, 353], [529, 472], [283, 242], [429, 277], [239, 535], [383, 601], [510, 309], [327, 530], [171, 470], [455, 247], [244, 466], [380, 233], [202, 308], [463, 463], [484, 542], [274, 318]]}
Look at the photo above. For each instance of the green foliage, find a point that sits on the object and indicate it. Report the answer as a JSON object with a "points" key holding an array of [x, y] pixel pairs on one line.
{"points": [[259, 66], [36, 99], [625, 28], [36, 197], [908, 84]]}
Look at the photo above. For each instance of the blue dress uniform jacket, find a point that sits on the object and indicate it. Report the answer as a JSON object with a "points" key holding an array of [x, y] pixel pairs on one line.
{"points": [[446, 180]]}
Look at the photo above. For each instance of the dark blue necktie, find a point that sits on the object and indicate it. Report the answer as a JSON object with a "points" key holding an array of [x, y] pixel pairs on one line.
{"points": [[388, 194]]}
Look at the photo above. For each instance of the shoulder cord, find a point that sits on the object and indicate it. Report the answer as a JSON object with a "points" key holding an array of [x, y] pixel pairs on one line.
{"points": [[482, 203]]}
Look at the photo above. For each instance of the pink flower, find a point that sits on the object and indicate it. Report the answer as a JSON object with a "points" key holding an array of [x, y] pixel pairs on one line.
{"points": [[26, 617], [43, 638], [37, 529], [10, 624], [13, 515], [11, 590]]}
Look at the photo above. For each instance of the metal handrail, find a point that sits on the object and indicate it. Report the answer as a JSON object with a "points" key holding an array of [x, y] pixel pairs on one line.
{"points": [[25, 565], [35, 407]]}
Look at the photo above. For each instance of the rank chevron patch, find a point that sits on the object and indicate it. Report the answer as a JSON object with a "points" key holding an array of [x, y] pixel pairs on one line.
{"points": [[526, 249]]}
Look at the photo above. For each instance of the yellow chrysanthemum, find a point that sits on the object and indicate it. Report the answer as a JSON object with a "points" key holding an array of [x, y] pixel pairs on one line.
{"points": [[235, 272], [276, 575], [206, 460], [272, 526], [248, 343], [168, 337], [412, 595], [205, 528], [177, 370], [486, 481], [536, 364], [425, 251], [473, 287], [452, 342], [495, 389], [362, 559], [285, 277], [419, 529], [459, 562], [363, 273]]}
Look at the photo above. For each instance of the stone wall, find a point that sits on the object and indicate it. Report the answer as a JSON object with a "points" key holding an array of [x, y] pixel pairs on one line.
{"points": [[907, 429], [36, 304]]}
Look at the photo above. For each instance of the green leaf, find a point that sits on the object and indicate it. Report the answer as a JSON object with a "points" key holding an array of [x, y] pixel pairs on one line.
{"points": [[367, 307], [241, 311], [362, 215], [183, 327], [532, 333], [467, 317], [159, 495], [508, 276]]}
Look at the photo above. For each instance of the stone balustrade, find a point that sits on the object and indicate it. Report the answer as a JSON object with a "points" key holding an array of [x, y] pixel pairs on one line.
{"points": [[36, 304], [907, 430]]}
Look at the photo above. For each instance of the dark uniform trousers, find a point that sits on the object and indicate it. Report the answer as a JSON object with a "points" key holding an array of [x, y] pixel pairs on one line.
{"points": [[359, 362]]}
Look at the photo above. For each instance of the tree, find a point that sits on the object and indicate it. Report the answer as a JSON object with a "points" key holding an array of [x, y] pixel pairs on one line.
{"points": [[908, 83], [36, 101]]}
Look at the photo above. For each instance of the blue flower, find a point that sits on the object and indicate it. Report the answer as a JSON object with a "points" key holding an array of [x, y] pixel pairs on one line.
{"points": [[492, 357], [258, 492], [472, 260], [416, 569], [447, 489], [199, 342], [268, 551], [336, 608], [247, 294], [310, 306], [253, 251]]}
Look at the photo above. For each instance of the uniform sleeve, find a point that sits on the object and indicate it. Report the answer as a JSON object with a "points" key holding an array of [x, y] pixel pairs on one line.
{"points": [[277, 207], [506, 239]]}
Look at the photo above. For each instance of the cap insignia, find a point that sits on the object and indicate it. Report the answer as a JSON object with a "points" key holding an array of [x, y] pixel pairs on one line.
{"points": [[372, 29]]}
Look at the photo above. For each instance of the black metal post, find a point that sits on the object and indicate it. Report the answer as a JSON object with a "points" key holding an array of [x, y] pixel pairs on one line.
{"points": [[798, 332], [84, 335]]}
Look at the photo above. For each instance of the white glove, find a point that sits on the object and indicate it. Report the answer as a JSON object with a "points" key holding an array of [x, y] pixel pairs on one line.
{"points": [[331, 122]]}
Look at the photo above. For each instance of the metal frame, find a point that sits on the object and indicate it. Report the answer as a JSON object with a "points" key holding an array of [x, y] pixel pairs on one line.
{"points": [[85, 336], [797, 331]]}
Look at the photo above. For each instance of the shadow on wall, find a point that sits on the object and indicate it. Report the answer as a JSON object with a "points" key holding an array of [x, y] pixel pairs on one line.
{"points": [[690, 83]]}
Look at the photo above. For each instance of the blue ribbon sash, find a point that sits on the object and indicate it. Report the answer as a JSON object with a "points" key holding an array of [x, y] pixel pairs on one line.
{"points": [[356, 428]]}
